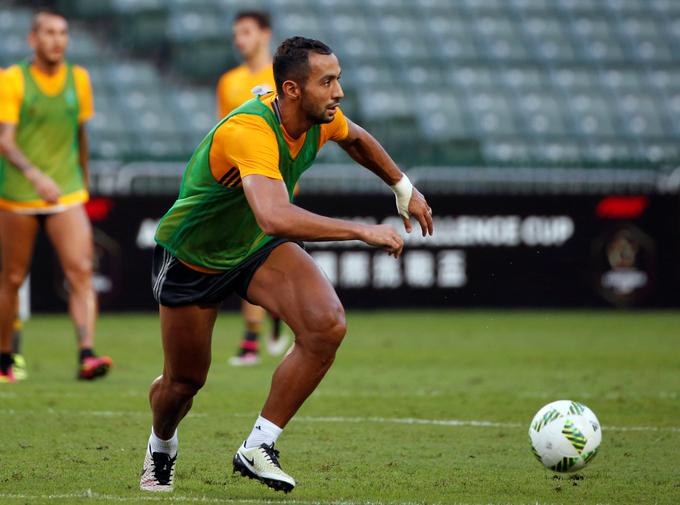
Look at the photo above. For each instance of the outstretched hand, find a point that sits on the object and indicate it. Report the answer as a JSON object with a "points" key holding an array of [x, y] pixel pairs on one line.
{"points": [[384, 236], [421, 212]]}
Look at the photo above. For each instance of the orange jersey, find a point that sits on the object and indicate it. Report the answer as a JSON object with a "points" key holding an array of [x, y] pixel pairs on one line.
{"points": [[12, 90], [236, 87], [246, 143]]}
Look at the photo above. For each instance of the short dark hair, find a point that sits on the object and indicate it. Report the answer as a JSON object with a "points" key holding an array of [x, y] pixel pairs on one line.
{"points": [[44, 11], [262, 18], [291, 61]]}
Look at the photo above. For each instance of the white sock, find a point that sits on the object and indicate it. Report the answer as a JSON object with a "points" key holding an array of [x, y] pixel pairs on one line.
{"points": [[164, 446], [264, 432]]}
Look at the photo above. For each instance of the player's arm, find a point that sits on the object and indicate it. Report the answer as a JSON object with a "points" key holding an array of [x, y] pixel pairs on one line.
{"points": [[84, 154], [268, 198], [367, 151], [43, 184]]}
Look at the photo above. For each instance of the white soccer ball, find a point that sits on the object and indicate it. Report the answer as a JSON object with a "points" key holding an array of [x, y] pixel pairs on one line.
{"points": [[565, 436]]}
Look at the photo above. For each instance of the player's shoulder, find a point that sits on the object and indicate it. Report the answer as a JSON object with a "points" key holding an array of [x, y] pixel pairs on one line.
{"points": [[12, 72], [80, 72], [244, 133], [12, 78], [234, 73], [239, 123]]}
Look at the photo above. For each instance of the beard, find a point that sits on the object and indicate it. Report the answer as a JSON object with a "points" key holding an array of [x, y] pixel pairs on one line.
{"points": [[316, 114], [50, 58]]}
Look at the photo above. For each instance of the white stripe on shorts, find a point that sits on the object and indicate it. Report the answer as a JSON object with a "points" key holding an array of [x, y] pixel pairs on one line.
{"points": [[162, 273]]}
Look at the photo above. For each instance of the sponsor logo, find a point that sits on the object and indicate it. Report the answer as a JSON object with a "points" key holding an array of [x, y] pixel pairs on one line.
{"points": [[625, 265]]}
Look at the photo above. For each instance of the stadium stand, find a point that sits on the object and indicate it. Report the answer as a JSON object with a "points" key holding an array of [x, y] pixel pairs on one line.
{"points": [[440, 82]]}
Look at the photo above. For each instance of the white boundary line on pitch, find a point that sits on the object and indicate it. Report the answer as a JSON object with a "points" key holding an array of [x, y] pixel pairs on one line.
{"points": [[341, 419], [89, 495], [460, 422]]}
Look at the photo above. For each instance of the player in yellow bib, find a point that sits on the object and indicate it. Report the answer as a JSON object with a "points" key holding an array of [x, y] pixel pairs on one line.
{"points": [[252, 38], [19, 363], [44, 105], [234, 228]]}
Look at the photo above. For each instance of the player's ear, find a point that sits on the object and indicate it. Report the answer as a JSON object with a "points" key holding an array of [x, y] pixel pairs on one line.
{"points": [[291, 90]]}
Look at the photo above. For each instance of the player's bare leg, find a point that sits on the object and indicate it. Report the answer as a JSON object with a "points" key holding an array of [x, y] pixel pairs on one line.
{"points": [[187, 335], [70, 232], [18, 360], [16, 259], [289, 284]]}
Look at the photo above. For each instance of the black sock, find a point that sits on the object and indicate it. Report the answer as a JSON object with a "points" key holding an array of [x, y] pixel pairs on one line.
{"points": [[276, 328], [5, 361], [85, 353]]}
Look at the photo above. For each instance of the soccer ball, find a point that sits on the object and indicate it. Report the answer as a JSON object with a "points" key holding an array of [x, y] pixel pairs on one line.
{"points": [[565, 436]]}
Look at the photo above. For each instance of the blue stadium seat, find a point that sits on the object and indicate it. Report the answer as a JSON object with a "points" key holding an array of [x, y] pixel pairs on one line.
{"points": [[541, 113], [571, 81]]}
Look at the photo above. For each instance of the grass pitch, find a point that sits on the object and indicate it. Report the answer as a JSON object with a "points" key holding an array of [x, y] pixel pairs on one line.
{"points": [[419, 408]]}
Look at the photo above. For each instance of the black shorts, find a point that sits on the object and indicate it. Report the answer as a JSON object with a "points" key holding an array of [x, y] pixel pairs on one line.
{"points": [[174, 284]]}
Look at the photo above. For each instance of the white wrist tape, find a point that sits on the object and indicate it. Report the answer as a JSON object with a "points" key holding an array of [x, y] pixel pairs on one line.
{"points": [[403, 191]]}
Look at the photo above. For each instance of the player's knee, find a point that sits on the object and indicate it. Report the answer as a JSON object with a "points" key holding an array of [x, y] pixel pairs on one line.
{"points": [[328, 328], [187, 387], [79, 273], [12, 280]]}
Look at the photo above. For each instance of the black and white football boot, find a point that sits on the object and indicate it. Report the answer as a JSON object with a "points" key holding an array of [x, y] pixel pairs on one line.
{"points": [[262, 463], [158, 473]]}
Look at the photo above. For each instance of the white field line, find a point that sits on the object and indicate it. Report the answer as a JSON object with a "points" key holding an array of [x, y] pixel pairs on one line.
{"points": [[662, 395], [460, 422], [90, 495], [419, 393], [338, 419]]}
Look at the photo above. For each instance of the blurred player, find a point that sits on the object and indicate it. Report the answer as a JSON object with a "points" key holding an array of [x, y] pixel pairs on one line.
{"points": [[43, 181], [233, 228], [19, 363], [252, 37]]}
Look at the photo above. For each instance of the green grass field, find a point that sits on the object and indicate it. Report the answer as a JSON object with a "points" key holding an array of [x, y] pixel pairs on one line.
{"points": [[420, 407]]}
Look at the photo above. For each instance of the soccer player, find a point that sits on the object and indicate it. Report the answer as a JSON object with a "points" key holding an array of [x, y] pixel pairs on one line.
{"points": [[233, 228], [252, 37], [44, 105], [18, 361]]}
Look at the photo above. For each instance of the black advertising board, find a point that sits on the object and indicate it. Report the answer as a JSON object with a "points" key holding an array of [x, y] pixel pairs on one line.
{"points": [[488, 250]]}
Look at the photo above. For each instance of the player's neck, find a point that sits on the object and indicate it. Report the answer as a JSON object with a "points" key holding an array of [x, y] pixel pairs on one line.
{"points": [[292, 119], [259, 61], [46, 67]]}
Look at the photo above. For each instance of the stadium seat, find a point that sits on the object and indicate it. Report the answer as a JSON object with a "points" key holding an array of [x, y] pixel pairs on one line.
{"points": [[541, 113], [577, 81], [441, 115]]}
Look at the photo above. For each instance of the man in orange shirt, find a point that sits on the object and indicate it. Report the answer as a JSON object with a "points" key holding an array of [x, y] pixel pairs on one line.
{"points": [[252, 37], [44, 105]]}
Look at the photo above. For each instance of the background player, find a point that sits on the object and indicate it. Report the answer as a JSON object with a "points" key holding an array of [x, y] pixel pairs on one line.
{"points": [[44, 105], [238, 186], [252, 37], [18, 361]]}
